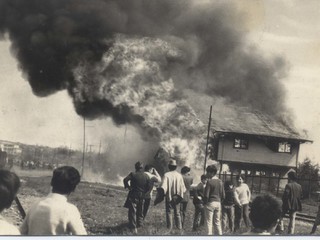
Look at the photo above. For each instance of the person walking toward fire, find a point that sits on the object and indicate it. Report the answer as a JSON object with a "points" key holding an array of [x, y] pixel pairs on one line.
{"points": [[188, 180], [154, 178], [138, 187], [9, 185], [54, 215], [198, 203], [213, 196], [173, 188], [291, 201], [242, 199]]}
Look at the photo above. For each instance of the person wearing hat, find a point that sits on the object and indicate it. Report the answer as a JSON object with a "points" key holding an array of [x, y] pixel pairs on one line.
{"points": [[291, 202], [188, 180], [138, 183], [173, 188]]}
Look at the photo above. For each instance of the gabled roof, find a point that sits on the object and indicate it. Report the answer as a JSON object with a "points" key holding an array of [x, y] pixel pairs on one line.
{"points": [[229, 118], [253, 123]]}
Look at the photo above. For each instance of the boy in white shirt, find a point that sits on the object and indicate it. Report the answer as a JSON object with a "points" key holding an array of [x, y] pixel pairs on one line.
{"points": [[54, 215]]}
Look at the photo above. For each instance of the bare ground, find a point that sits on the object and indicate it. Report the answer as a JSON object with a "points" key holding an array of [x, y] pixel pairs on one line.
{"points": [[102, 210]]}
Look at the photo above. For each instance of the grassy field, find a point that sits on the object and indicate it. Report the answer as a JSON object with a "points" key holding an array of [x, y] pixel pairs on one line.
{"points": [[102, 210]]}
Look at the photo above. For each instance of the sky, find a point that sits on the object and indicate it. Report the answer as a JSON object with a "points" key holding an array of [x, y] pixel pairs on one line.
{"points": [[290, 29]]}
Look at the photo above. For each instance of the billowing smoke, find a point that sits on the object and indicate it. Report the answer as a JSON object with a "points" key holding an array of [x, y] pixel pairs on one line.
{"points": [[133, 59]]}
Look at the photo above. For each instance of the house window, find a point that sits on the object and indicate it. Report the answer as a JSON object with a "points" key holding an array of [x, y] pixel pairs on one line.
{"points": [[284, 147], [240, 143]]}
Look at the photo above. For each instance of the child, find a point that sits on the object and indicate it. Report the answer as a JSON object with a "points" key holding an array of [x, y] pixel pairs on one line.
{"points": [[54, 215], [198, 203], [9, 185], [264, 214], [228, 207]]}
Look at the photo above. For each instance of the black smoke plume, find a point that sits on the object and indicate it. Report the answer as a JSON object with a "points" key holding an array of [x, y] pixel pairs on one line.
{"points": [[50, 38]]}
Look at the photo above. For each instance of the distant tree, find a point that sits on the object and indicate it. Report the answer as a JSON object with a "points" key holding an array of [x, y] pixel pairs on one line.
{"points": [[308, 175]]}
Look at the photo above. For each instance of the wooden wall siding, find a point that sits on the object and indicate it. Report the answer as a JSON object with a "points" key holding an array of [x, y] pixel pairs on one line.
{"points": [[257, 153]]}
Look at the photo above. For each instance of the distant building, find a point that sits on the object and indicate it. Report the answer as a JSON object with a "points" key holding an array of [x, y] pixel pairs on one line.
{"points": [[10, 148]]}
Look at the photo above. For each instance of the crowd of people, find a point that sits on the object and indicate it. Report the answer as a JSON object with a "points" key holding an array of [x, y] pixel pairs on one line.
{"points": [[219, 206]]}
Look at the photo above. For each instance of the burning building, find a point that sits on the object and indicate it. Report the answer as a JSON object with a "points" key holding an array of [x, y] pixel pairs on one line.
{"points": [[242, 140], [136, 61]]}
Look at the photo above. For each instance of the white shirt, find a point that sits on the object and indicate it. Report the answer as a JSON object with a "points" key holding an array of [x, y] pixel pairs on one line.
{"points": [[243, 194], [172, 184], [53, 215], [8, 228]]}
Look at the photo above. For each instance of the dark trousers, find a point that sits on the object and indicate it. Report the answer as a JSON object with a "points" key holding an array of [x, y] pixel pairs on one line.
{"points": [[172, 209], [241, 213], [292, 222], [183, 210], [146, 205], [227, 216], [135, 213], [198, 216]]}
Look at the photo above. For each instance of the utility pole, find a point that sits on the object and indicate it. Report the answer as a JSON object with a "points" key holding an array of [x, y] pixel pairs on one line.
{"points": [[99, 150], [208, 134], [84, 145]]}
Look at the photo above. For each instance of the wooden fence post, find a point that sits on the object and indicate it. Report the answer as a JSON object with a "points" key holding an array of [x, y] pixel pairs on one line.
{"points": [[269, 183], [260, 183], [278, 184], [252, 183]]}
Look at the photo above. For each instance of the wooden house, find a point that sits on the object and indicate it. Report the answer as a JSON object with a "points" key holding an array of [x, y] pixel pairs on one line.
{"points": [[253, 142]]}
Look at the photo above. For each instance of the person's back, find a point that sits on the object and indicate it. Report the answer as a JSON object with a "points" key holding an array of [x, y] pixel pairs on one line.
{"points": [[139, 182], [291, 198], [173, 184], [214, 190], [53, 215], [199, 193]]}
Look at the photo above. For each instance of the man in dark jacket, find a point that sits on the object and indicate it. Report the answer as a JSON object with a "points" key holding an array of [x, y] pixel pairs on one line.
{"points": [[291, 201], [139, 185]]}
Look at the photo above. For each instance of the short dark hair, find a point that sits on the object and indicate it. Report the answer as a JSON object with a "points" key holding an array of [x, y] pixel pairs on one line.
{"points": [[147, 167], [172, 168], [203, 177], [240, 176], [185, 170], [138, 166], [227, 184], [9, 186], [292, 175], [65, 179], [212, 169], [265, 211]]}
